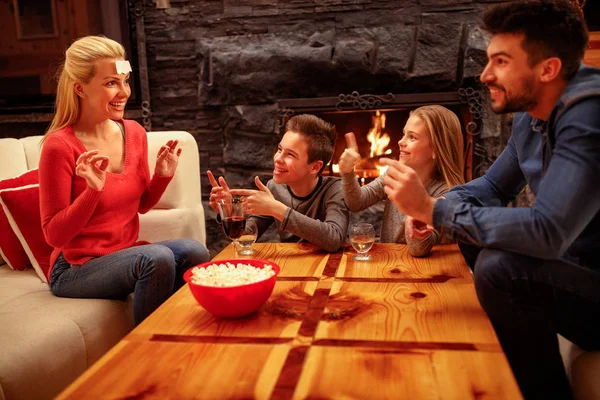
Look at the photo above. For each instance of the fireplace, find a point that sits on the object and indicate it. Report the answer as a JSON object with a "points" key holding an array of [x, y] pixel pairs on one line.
{"points": [[376, 132], [378, 122], [362, 114]]}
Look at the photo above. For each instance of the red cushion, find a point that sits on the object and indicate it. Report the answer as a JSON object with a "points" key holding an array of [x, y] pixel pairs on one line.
{"points": [[22, 207], [10, 247]]}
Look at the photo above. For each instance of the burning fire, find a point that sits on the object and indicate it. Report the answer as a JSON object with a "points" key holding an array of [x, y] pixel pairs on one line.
{"points": [[382, 169], [377, 137]]}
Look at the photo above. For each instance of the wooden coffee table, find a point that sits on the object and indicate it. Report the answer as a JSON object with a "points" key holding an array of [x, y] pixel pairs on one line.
{"points": [[393, 327]]}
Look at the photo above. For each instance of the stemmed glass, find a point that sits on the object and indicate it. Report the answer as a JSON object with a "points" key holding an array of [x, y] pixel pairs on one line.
{"points": [[362, 237], [232, 218], [248, 238]]}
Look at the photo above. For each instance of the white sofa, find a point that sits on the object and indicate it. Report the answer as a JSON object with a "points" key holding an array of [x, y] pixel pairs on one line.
{"points": [[45, 341], [583, 369]]}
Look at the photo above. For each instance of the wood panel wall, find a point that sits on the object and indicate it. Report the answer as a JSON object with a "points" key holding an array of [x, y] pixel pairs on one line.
{"points": [[41, 57]]}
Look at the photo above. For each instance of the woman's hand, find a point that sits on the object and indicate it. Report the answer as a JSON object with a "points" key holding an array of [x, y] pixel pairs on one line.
{"points": [[167, 159], [218, 191], [92, 167], [350, 157]]}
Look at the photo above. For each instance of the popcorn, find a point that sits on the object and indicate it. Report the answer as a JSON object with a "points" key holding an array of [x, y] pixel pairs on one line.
{"points": [[228, 274]]}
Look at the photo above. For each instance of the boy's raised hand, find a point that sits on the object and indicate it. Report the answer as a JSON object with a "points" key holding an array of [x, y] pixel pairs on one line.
{"points": [[260, 202], [219, 191], [350, 157]]}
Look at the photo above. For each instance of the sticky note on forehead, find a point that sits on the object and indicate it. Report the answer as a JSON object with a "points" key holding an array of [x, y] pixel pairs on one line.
{"points": [[123, 67]]}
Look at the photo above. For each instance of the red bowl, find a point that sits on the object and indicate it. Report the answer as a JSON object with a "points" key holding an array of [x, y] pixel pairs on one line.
{"points": [[233, 301]]}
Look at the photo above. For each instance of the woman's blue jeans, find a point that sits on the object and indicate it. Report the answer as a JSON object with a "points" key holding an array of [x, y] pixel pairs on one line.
{"points": [[529, 301], [152, 272]]}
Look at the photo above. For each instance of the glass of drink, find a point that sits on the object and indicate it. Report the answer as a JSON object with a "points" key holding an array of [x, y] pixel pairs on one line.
{"points": [[232, 218], [248, 238], [362, 237]]}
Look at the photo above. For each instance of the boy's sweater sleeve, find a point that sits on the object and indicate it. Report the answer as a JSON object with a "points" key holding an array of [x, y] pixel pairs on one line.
{"points": [[262, 224]]}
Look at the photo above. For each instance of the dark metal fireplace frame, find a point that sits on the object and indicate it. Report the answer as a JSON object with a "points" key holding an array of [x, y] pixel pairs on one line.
{"points": [[469, 99]]}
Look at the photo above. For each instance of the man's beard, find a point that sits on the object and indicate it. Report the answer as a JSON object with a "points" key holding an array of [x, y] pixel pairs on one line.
{"points": [[523, 102]]}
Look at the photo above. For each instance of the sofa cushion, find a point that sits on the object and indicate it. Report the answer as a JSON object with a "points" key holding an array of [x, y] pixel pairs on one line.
{"points": [[160, 225], [10, 246], [585, 376], [49, 341], [48, 354], [22, 208], [13, 156], [582, 368], [184, 189], [32, 148]]}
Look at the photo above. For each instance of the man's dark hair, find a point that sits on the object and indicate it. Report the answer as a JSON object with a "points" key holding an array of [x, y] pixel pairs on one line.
{"points": [[552, 28], [319, 134]]}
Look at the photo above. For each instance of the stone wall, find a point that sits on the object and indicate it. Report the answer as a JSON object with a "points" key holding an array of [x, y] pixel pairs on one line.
{"points": [[218, 67]]}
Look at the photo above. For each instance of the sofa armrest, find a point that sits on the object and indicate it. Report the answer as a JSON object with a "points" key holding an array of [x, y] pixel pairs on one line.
{"points": [[583, 369], [158, 225], [184, 189]]}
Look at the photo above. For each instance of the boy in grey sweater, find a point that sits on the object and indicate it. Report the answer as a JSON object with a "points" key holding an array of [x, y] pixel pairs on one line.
{"points": [[304, 205]]}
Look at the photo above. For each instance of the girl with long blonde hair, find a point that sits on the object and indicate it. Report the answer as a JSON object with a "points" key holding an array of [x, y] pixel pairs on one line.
{"points": [[432, 145]]}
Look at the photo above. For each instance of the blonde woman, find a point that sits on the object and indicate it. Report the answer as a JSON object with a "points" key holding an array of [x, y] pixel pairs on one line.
{"points": [[432, 145], [94, 179]]}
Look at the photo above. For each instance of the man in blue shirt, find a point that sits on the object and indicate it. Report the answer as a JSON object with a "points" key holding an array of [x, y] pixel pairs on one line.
{"points": [[538, 269]]}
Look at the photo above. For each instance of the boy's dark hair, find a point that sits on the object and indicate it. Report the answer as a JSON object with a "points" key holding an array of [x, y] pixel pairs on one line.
{"points": [[319, 134], [552, 28]]}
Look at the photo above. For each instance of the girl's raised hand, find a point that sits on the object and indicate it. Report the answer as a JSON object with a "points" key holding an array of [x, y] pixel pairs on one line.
{"points": [[350, 157]]}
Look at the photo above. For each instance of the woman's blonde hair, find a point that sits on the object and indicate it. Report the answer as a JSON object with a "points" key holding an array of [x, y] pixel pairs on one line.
{"points": [[79, 66], [447, 142]]}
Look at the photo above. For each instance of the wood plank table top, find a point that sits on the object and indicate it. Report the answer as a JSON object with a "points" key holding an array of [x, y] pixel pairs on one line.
{"points": [[392, 327]]}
